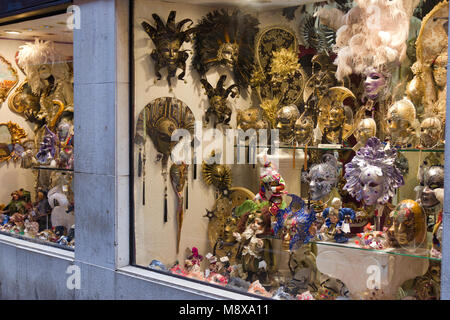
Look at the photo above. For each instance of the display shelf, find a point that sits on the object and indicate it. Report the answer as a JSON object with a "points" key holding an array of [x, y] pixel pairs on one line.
{"points": [[422, 253], [336, 148], [39, 241], [52, 169]]}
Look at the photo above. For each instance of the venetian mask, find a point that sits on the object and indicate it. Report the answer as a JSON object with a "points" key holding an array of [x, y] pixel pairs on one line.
{"points": [[168, 39], [303, 130], [432, 179], [323, 177], [366, 129], [440, 70], [372, 175], [430, 132], [374, 83], [408, 225], [286, 118], [250, 119], [401, 119], [228, 54]]}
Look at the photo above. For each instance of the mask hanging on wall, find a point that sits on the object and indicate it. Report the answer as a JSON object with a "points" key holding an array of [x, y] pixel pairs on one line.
{"points": [[168, 39], [226, 39], [218, 100], [178, 177], [159, 119]]}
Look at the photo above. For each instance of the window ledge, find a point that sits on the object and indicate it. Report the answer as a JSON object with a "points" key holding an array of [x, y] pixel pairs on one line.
{"points": [[182, 284], [36, 247]]}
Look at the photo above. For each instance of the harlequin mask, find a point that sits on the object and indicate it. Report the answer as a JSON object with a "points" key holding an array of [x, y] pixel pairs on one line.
{"points": [[408, 224], [430, 132], [303, 130], [432, 179], [372, 175], [286, 118], [323, 177], [374, 83]]}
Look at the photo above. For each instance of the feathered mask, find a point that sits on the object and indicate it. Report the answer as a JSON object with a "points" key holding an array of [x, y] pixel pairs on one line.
{"points": [[226, 39], [378, 156]]}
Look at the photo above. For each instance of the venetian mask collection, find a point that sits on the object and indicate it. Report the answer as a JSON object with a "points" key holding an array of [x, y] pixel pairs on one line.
{"points": [[350, 122]]}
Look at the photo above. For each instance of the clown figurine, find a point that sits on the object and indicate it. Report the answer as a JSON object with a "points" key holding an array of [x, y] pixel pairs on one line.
{"points": [[271, 187]]}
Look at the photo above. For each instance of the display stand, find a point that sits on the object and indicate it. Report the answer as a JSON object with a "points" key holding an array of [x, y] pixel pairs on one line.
{"points": [[366, 270]]}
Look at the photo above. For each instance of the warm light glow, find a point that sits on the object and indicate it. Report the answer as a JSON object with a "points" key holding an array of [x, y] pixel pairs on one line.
{"points": [[12, 32]]}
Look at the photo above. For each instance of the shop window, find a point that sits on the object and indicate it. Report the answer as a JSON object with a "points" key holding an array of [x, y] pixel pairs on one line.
{"points": [[291, 152], [36, 131]]}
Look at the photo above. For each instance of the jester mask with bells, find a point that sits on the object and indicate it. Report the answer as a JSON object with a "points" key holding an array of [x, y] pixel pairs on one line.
{"points": [[218, 100], [372, 175], [226, 39], [168, 39], [159, 119], [335, 117]]}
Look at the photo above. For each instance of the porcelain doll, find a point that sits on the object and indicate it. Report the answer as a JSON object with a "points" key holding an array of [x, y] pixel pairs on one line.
{"points": [[295, 224], [337, 221], [255, 251], [372, 176]]}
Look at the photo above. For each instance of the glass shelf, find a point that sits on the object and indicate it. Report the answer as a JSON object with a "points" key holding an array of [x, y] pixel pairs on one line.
{"points": [[52, 169], [36, 240], [336, 149], [422, 253]]}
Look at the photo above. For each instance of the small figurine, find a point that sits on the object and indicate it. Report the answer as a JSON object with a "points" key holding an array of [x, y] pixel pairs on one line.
{"points": [[15, 205], [272, 187], [372, 239], [337, 221], [296, 225], [255, 252]]}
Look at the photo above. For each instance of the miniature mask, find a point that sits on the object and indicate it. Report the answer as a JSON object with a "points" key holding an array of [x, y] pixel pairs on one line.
{"points": [[432, 179], [440, 70], [408, 225], [286, 118], [303, 131], [401, 120], [250, 119], [372, 175], [323, 177], [430, 132], [168, 39]]}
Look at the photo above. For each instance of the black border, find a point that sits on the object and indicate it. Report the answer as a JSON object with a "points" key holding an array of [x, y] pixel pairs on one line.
{"points": [[35, 12]]}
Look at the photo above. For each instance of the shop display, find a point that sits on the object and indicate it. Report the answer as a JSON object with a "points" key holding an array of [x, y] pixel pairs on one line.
{"points": [[352, 102], [37, 132]]}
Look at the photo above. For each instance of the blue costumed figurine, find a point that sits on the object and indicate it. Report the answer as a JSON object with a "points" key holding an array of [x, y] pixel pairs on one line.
{"points": [[337, 221]]}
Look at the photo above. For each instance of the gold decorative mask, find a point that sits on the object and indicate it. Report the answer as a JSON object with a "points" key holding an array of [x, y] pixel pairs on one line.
{"points": [[401, 122], [334, 115], [303, 130], [367, 128], [408, 225], [430, 132], [286, 118]]}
